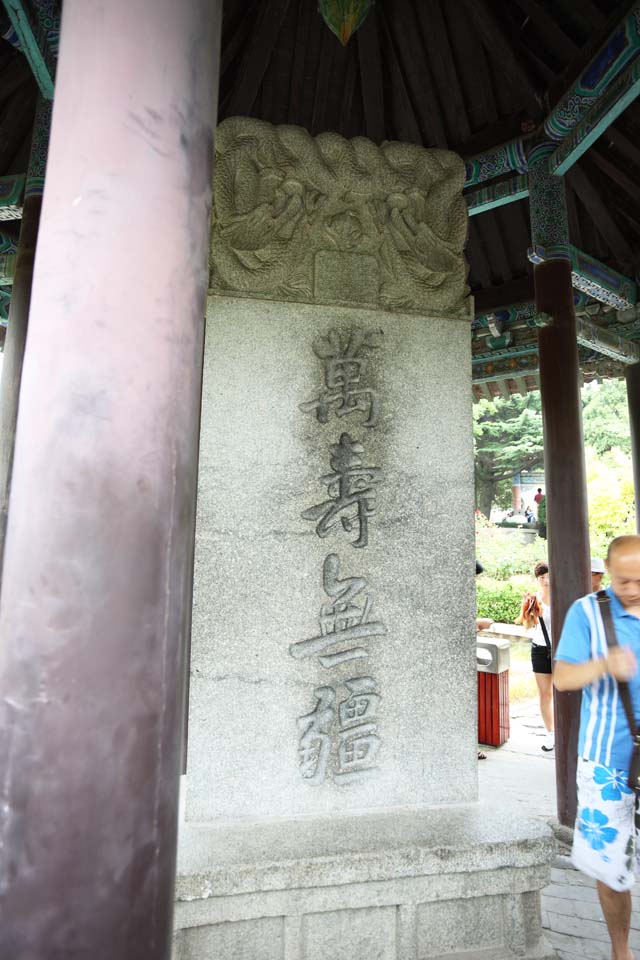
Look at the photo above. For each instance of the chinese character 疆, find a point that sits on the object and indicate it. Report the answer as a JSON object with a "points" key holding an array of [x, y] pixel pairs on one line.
{"points": [[314, 747], [359, 743]]}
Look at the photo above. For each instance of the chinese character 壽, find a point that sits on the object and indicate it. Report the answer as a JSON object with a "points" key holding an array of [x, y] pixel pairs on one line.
{"points": [[351, 492]]}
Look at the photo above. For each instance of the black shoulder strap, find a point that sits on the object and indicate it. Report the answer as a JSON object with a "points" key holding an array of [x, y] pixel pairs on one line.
{"points": [[604, 604], [545, 634]]}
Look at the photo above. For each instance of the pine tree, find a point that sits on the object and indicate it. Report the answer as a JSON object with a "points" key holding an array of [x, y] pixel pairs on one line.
{"points": [[508, 439]]}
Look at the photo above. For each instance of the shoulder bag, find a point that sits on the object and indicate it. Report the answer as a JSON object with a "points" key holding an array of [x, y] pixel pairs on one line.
{"points": [[625, 694]]}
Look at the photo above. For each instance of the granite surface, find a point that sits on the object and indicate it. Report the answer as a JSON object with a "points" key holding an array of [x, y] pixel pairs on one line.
{"points": [[280, 552]]}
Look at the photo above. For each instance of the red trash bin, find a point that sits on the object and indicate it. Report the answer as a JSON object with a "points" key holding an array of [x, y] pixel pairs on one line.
{"points": [[492, 657]]}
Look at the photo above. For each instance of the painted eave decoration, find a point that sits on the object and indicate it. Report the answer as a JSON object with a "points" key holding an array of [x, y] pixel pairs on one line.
{"points": [[343, 17]]}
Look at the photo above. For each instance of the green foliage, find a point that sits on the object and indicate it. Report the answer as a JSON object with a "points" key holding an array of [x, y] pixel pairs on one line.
{"points": [[611, 498], [504, 554], [605, 416], [508, 438], [501, 602]]}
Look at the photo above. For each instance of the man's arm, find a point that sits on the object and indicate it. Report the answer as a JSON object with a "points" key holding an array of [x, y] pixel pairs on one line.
{"points": [[620, 664]]}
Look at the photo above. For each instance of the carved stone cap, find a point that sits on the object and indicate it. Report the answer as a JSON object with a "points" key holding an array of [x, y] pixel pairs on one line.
{"points": [[329, 220]]}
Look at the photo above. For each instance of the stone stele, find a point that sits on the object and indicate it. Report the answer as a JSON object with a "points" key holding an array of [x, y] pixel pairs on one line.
{"points": [[331, 792]]}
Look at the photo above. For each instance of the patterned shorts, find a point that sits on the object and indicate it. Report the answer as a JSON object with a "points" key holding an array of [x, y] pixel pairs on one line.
{"points": [[604, 840]]}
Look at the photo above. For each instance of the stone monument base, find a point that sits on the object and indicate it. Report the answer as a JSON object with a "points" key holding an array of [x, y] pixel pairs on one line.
{"points": [[457, 882]]}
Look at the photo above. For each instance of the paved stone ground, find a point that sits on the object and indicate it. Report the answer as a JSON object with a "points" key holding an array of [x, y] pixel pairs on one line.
{"points": [[520, 771]]}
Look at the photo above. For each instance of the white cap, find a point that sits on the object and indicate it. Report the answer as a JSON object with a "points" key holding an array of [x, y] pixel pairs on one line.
{"points": [[597, 565]]}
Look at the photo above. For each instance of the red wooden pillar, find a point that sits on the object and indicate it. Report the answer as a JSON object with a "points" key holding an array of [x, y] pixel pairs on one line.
{"points": [[566, 491], [632, 374], [101, 512], [19, 309]]}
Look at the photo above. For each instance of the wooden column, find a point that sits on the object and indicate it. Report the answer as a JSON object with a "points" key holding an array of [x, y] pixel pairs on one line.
{"points": [[567, 518], [19, 308], [101, 513], [632, 375]]}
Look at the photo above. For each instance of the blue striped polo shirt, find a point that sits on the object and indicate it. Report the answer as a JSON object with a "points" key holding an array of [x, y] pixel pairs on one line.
{"points": [[604, 731]]}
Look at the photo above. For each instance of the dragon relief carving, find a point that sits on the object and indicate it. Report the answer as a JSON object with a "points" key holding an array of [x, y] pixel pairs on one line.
{"points": [[281, 197]]}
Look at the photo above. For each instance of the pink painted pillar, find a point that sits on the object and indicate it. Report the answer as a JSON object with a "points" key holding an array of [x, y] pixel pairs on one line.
{"points": [[96, 582]]}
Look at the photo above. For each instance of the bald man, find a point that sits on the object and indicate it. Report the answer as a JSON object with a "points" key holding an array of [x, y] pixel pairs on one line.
{"points": [[604, 844]]}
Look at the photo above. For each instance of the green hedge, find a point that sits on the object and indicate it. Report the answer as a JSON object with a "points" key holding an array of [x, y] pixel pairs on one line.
{"points": [[501, 604]]}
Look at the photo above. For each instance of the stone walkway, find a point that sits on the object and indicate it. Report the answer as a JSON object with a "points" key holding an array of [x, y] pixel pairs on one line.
{"points": [[521, 772]]}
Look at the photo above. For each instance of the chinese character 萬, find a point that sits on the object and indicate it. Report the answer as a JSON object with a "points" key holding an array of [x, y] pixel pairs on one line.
{"points": [[344, 367], [343, 621], [351, 490], [314, 746]]}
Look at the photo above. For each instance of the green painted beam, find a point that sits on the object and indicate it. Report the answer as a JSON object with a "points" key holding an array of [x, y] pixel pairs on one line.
{"points": [[11, 196], [623, 92], [7, 269], [488, 198], [608, 344], [32, 35]]}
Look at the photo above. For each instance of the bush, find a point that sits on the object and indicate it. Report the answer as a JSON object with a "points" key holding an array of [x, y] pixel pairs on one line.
{"points": [[499, 601]]}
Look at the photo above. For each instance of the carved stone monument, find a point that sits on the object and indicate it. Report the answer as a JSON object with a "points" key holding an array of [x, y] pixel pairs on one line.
{"points": [[331, 799]]}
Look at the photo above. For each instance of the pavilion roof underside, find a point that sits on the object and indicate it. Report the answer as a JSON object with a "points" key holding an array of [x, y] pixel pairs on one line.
{"points": [[464, 75]]}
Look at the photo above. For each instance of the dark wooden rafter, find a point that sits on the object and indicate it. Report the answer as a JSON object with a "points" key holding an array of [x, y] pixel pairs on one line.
{"points": [[492, 298], [438, 51], [323, 73], [575, 232], [237, 27], [554, 37], [478, 92], [494, 39], [629, 150], [480, 269], [348, 95], [490, 232], [597, 208], [256, 58], [370, 57], [418, 77], [406, 126], [296, 84], [16, 122], [631, 187]]}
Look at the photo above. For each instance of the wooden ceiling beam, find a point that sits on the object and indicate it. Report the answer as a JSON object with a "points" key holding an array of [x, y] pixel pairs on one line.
{"points": [[256, 58], [493, 298], [438, 51], [623, 144], [369, 55], [557, 41], [630, 187], [598, 210], [298, 66], [323, 74], [418, 78], [477, 257], [488, 228], [495, 40], [404, 118]]}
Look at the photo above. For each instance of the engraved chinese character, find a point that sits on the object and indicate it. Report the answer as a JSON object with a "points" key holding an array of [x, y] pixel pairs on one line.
{"points": [[314, 747], [342, 621], [359, 742], [351, 492], [344, 367]]}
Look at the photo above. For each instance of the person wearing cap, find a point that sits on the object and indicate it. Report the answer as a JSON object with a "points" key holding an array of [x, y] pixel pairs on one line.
{"points": [[597, 573], [605, 839]]}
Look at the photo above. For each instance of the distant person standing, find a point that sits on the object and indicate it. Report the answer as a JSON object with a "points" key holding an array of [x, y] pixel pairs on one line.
{"points": [[535, 615], [597, 573], [538, 497]]}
